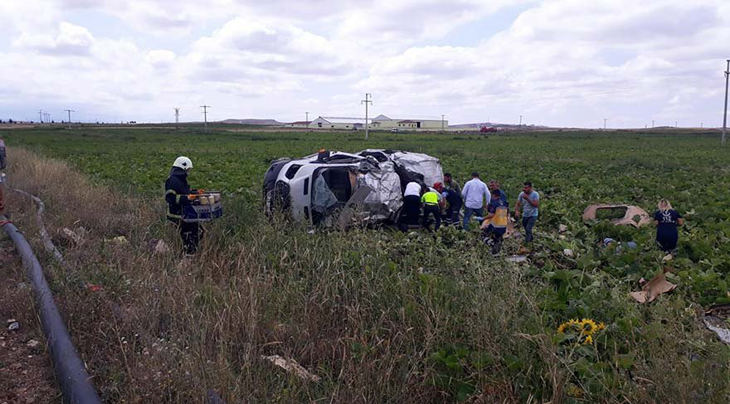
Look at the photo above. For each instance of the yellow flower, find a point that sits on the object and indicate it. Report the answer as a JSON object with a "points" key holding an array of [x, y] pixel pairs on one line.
{"points": [[589, 340]]}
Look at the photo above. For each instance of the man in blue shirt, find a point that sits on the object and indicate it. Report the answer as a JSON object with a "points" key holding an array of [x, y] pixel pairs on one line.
{"points": [[529, 201], [494, 185]]}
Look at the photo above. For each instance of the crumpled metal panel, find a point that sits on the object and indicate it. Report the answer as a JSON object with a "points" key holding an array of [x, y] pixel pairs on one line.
{"points": [[386, 198], [428, 166]]}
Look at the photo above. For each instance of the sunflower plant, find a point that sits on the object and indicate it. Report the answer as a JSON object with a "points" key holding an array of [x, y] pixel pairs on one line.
{"points": [[580, 332]]}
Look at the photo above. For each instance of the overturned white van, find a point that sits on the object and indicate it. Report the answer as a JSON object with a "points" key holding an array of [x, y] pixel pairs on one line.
{"points": [[338, 188]]}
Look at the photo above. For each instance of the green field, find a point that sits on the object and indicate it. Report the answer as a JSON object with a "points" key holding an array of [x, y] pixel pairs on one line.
{"points": [[422, 318]]}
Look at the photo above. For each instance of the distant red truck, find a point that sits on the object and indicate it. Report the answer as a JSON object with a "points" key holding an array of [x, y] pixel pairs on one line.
{"points": [[485, 129]]}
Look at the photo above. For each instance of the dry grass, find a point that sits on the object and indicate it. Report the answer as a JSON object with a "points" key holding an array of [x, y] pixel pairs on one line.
{"points": [[375, 314]]}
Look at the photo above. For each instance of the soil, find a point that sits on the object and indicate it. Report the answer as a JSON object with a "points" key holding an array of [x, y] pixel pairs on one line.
{"points": [[26, 372]]}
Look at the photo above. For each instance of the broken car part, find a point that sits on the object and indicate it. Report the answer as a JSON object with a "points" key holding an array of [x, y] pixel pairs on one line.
{"points": [[634, 216]]}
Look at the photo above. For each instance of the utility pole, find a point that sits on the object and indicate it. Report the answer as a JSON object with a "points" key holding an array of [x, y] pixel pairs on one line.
{"points": [[366, 101], [205, 117], [652, 124], [724, 118], [520, 121], [307, 118], [40, 115], [604, 123], [442, 122], [69, 116], [177, 118], [675, 124]]}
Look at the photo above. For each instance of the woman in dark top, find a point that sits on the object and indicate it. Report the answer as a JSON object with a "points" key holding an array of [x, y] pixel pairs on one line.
{"points": [[667, 220]]}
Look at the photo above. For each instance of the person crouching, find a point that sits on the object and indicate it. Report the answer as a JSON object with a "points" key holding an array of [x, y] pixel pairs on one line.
{"points": [[495, 223]]}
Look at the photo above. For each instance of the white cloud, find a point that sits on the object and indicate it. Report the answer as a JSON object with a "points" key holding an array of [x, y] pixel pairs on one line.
{"points": [[562, 62], [68, 40]]}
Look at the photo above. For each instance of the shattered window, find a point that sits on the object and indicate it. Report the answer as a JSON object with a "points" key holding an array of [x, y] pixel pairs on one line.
{"points": [[323, 198]]}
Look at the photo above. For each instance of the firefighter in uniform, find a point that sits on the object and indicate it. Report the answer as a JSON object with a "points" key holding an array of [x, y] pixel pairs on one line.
{"points": [[177, 195]]}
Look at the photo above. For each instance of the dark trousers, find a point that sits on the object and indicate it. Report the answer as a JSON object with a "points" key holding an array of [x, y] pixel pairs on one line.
{"points": [[452, 212], [667, 239], [528, 223], [189, 234], [493, 237], [411, 210], [429, 210]]}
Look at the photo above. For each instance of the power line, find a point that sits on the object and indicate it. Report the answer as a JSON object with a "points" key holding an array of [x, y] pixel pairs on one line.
{"points": [[205, 115], [366, 101], [69, 116], [724, 118]]}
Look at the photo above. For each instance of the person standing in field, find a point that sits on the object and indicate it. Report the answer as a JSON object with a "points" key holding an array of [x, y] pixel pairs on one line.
{"points": [[411, 205], [450, 183], [494, 185], [667, 220], [495, 224], [529, 201], [475, 193], [431, 200], [177, 195]]}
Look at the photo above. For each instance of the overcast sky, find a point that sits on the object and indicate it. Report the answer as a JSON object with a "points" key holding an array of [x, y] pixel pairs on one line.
{"points": [[556, 62]]}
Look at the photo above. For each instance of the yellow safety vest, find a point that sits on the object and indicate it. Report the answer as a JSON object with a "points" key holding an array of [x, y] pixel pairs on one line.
{"points": [[430, 198]]}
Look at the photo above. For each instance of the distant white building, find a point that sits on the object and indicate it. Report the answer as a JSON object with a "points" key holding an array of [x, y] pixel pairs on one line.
{"points": [[299, 124], [385, 123], [337, 123], [380, 122]]}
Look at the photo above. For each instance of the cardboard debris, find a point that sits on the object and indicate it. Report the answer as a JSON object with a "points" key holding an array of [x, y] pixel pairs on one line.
{"points": [[158, 246], [635, 216], [653, 288], [290, 365]]}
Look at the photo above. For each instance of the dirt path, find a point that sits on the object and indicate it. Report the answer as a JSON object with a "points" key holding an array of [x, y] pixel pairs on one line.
{"points": [[26, 373]]}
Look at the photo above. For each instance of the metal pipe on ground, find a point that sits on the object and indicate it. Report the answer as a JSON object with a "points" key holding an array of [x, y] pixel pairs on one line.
{"points": [[70, 370]]}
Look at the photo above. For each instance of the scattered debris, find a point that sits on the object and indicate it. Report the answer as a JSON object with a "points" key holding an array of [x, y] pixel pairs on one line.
{"points": [[568, 252], [517, 258], [716, 321], [158, 246], [77, 237], [655, 287], [667, 258], [562, 228], [290, 365], [13, 324], [94, 288], [33, 344], [635, 216]]}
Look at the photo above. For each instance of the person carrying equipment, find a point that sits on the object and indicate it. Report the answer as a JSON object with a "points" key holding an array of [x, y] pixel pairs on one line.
{"points": [[431, 200], [177, 195]]}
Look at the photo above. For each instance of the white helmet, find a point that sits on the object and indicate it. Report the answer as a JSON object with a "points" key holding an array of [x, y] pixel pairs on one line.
{"points": [[183, 162]]}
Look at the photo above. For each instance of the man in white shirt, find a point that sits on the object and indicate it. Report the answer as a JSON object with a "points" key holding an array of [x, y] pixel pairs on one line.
{"points": [[411, 204], [475, 192]]}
